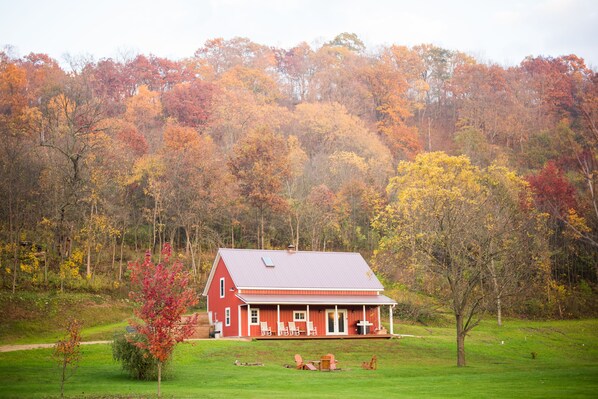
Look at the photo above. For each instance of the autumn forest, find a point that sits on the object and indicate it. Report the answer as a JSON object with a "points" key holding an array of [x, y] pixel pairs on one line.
{"points": [[417, 157]]}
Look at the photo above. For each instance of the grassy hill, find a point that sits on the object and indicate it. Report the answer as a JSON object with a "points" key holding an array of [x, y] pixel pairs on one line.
{"points": [[500, 365], [34, 317]]}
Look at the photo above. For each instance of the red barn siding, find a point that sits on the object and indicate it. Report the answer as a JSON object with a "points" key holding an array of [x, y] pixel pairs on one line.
{"points": [[217, 305], [317, 315]]}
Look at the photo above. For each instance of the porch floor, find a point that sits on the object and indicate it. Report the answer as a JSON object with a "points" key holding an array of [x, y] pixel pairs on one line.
{"points": [[305, 337]]}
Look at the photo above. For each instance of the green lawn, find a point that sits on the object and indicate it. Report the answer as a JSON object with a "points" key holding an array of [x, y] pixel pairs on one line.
{"points": [[500, 365]]}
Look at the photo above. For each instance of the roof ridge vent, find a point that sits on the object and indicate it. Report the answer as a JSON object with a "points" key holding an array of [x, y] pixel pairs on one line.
{"points": [[267, 261]]}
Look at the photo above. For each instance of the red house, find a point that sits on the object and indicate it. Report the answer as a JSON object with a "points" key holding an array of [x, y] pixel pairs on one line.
{"points": [[291, 293]]}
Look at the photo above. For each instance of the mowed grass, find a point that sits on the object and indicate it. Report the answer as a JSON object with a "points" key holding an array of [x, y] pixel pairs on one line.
{"points": [[500, 365]]}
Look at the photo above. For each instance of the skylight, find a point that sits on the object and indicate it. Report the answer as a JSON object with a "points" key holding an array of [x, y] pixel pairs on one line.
{"points": [[267, 261]]}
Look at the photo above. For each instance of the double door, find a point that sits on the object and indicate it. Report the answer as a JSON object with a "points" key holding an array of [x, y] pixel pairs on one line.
{"points": [[336, 322]]}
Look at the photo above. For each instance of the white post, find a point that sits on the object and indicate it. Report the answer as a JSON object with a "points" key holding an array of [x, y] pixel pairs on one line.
{"points": [[239, 324], [248, 320], [392, 331], [379, 321], [364, 321], [278, 319], [335, 324], [307, 320]]}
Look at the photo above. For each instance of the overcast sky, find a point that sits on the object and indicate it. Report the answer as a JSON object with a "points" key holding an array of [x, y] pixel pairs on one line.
{"points": [[502, 31]]}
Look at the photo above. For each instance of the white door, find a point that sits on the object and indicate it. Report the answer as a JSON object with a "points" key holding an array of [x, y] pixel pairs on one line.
{"points": [[336, 322]]}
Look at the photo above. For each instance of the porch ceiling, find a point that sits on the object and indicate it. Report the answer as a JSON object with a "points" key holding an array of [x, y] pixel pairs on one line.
{"points": [[316, 299]]}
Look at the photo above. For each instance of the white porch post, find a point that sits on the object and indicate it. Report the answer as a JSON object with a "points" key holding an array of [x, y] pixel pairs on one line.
{"points": [[364, 320], [239, 324], [278, 320], [379, 321], [390, 307], [307, 321], [336, 318], [248, 320]]}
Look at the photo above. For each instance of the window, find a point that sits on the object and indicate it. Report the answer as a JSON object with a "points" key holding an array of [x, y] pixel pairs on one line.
{"points": [[227, 316], [255, 316], [267, 261], [222, 287], [299, 315]]}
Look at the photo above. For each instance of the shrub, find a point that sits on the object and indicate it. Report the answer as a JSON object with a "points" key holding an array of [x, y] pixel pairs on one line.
{"points": [[137, 362]]}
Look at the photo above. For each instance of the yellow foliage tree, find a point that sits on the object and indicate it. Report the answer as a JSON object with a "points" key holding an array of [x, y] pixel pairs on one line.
{"points": [[471, 230]]}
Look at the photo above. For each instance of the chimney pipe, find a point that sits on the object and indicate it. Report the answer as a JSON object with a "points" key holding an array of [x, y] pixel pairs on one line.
{"points": [[291, 248]]}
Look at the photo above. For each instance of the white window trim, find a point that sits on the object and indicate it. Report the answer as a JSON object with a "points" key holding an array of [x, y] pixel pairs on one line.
{"points": [[222, 288], [227, 317], [257, 323], [296, 312]]}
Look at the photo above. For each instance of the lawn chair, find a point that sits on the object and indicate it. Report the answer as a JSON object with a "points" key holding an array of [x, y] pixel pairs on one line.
{"points": [[293, 330], [282, 330], [304, 366], [265, 329], [328, 362], [311, 330], [371, 365]]}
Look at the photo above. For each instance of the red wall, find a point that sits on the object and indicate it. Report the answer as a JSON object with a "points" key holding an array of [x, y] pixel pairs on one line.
{"points": [[317, 314], [217, 305]]}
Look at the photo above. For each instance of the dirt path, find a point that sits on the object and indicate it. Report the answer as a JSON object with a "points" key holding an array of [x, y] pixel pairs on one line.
{"points": [[13, 348]]}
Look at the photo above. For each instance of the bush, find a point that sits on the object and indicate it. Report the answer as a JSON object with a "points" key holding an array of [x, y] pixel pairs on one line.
{"points": [[137, 362]]}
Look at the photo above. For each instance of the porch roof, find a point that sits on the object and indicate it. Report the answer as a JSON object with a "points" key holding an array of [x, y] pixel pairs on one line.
{"points": [[316, 299]]}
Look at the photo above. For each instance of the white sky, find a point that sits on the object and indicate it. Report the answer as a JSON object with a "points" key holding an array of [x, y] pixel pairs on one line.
{"points": [[502, 31]]}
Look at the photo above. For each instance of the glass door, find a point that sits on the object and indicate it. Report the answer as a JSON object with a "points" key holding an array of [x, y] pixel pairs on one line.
{"points": [[336, 322]]}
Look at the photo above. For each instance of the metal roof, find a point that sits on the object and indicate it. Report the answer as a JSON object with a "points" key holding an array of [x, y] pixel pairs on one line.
{"points": [[299, 270], [316, 299]]}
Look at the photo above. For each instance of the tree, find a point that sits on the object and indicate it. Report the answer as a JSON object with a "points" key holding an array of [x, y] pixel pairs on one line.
{"points": [[348, 40], [19, 164], [260, 164], [396, 88], [453, 222], [189, 103], [66, 352], [162, 295]]}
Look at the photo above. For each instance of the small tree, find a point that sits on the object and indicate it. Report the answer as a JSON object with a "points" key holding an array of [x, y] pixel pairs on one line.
{"points": [[66, 352], [135, 361], [162, 295]]}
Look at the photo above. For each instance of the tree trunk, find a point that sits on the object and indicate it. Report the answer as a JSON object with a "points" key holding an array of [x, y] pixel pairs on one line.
{"points": [[497, 294], [88, 270], [460, 341], [499, 311], [297, 234], [16, 266], [120, 261], [159, 376], [63, 378], [113, 255], [262, 229]]}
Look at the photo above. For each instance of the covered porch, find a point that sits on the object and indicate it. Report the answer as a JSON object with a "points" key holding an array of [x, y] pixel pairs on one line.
{"points": [[314, 316]]}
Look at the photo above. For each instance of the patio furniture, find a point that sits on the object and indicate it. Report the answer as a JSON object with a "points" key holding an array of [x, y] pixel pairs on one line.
{"points": [[265, 330], [304, 366], [371, 365], [311, 330], [293, 329], [282, 330], [328, 362]]}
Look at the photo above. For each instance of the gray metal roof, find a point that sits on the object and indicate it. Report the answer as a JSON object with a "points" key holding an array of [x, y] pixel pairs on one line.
{"points": [[316, 299], [299, 270]]}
